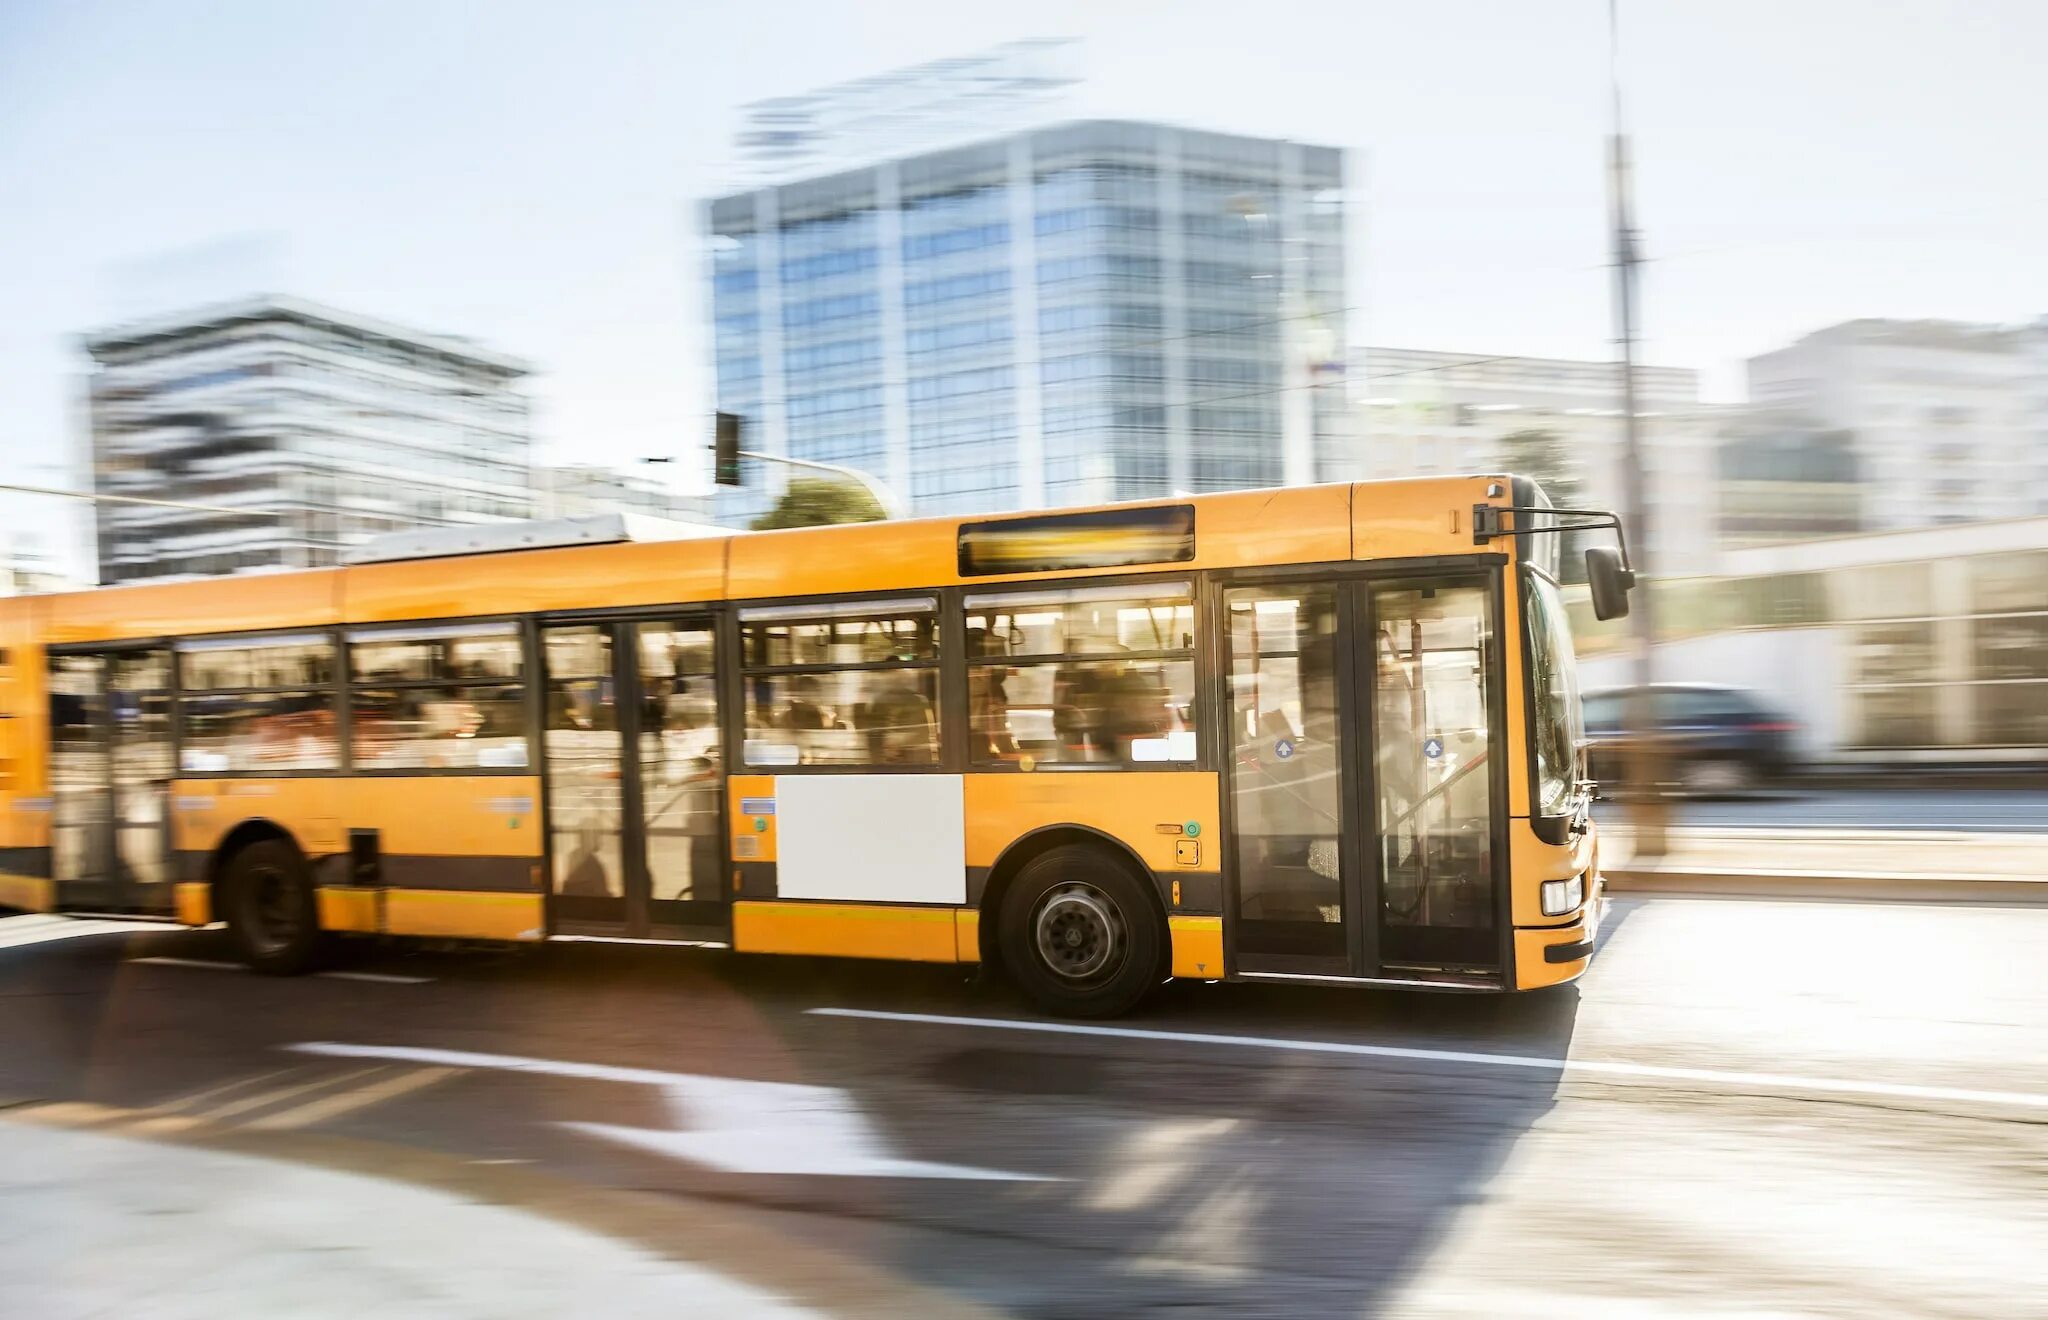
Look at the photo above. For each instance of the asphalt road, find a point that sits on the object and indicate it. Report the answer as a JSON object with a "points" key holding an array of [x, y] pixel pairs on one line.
{"points": [[1746, 1108], [1977, 810]]}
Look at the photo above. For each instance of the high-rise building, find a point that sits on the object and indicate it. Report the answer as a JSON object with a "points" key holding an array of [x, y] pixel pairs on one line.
{"points": [[1430, 411], [1083, 312], [1937, 413], [308, 429], [900, 112]]}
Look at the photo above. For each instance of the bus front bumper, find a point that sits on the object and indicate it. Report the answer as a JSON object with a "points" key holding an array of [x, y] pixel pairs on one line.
{"points": [[1549, 955]]}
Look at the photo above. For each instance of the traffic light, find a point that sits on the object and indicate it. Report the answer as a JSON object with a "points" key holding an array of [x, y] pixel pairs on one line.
{"points": [[725, 450]]}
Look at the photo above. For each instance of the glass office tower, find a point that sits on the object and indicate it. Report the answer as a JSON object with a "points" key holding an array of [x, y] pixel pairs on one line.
{"points": [[1087, 312], [307, 429]]}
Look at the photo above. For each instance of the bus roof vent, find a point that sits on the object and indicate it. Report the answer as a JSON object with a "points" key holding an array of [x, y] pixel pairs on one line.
{"points": [[539, 534]]}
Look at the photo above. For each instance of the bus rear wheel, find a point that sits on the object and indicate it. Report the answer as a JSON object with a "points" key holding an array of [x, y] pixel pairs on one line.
{"points": [[1079, 934], [271, 911]]}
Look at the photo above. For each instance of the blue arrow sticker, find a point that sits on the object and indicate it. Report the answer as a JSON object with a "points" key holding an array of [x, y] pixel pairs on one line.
{"points": [[1432, 748], [1283, 749]]}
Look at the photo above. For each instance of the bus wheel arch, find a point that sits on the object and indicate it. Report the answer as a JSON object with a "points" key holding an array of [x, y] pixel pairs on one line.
{"points": [[262, 885], [1084, 849]]}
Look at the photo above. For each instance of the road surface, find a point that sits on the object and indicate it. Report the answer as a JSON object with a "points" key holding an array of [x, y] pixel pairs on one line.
{"points": [[1746, 1108], [1974, 810]]}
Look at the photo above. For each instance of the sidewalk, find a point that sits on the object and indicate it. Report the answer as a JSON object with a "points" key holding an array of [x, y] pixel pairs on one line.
{"points": [[1889, 865], [98, 1225]]}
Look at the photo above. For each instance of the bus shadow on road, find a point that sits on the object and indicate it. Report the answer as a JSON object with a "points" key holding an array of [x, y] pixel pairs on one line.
{"points": [[1232, 1176]]}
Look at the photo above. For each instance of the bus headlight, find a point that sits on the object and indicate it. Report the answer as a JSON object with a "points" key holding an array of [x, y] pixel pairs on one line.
{"points": [[1562, 896]]}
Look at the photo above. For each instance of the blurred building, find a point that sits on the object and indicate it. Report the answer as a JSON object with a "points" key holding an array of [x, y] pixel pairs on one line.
{"points": [[1923, 645], [317, 428], [1003, 89], [1780, 476], [1429, 411], [2034, 409], [1082, 312], [27, 570], [1938, 412], [579, 490]]}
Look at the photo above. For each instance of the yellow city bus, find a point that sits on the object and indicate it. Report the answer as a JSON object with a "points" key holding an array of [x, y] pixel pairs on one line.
{"points": [[1323, 734]]}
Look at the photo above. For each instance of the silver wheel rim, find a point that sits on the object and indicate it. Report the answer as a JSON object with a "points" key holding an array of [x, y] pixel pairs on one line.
{"points": [[273, 909], [1080, 933]]}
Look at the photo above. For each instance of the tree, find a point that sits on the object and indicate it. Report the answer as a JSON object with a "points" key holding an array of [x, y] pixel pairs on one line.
{"points": [[810, 502], [1547, 457]]}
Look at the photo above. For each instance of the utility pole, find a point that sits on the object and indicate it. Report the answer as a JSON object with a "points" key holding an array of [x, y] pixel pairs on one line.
{"points": [[1645, 763]]}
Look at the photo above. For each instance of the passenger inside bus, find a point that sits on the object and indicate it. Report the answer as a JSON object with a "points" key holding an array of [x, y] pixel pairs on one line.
{"points": [[988, 701], [1100, 709], [900, 724], [802, 711]]}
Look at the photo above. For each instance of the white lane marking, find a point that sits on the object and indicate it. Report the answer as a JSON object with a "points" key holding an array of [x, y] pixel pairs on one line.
{"points": [[40, 928], [377, 978], [738, 1126], [1566, 1067]]}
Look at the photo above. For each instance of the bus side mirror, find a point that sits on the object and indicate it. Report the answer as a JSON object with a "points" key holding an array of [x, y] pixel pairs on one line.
{"points": [[1610, 582]]}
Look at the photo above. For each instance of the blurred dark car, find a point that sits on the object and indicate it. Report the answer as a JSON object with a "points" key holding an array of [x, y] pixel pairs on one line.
{"points": [[1718, 739]]}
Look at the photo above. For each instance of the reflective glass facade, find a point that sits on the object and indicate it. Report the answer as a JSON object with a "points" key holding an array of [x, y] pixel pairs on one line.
{"points": [[1088, 312], [305, 428]]}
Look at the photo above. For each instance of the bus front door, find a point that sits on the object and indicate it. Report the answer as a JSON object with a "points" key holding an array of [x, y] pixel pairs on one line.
{"points": [[1436, 740], [1363, 728], [634, 769]]}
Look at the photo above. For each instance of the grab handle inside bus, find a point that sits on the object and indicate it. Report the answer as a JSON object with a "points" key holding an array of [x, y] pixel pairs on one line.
{"points": [[1610, 581]]}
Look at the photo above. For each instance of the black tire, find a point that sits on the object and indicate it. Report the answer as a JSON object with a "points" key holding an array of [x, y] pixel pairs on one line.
{"points": [[271, 911], [1080, 935]]}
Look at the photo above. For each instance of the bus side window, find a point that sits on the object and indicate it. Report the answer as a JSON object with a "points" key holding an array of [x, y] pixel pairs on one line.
{"points": [[1093, 675], [841, 684]]}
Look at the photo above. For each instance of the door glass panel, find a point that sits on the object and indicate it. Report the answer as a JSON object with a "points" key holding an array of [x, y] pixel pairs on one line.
{"points": [[582, 745], [78, 768], [1433, 744], [1285, 745], [679, 760], [139, 706]]}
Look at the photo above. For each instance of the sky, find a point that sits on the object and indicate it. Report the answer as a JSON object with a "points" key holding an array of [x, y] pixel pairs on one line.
{"points": [[526, 173]]}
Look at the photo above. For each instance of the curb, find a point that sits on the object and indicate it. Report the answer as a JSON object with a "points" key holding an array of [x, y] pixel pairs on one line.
{"points": [[1852, 886]]}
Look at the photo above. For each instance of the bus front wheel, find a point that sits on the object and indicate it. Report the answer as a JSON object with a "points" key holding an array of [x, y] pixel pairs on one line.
{"points": [[271, 911], [1079, 934]]}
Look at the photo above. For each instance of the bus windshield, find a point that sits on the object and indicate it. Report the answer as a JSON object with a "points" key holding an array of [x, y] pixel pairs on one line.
{"points": [[1556, 720]]}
